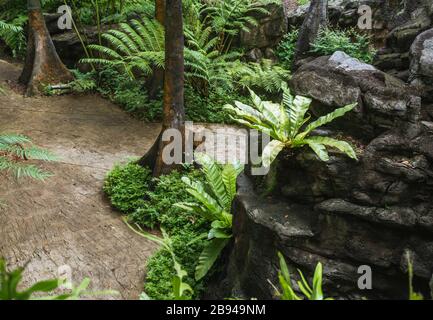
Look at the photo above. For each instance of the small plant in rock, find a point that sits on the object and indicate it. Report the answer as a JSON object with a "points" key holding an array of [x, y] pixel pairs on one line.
{"points": [[286, 49], [16, 150], [412, 294], [214, 200], [287, 123], [311, 292]]}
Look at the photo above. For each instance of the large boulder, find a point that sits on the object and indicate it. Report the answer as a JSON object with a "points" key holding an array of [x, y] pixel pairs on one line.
{"points": [[421, 67], [337, 80], [268, 32], [343, 213], [405, 22]]}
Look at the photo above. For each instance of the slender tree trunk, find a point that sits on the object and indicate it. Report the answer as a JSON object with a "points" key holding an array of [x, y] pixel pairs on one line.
{"points": [[316, 19], [43, 65], [157, 79], [160, 11], [173, 110]]}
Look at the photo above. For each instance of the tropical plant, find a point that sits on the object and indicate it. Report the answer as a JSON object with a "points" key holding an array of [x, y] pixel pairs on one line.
{"points": [[351, 42], [135, 47], [286, 48], [12, 34], [286, 123], [181, 290], [214, 200], [206, 67], [15, 150], [263, 75], [227, 18], [313, 292], [10, 282]]}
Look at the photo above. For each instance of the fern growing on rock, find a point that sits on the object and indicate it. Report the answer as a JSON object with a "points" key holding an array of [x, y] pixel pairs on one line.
{"points": [[287, 123], [16, 150]]}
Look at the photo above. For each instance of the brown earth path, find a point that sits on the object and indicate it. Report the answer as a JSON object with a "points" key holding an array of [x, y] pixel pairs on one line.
{"points": [[67, 220]]}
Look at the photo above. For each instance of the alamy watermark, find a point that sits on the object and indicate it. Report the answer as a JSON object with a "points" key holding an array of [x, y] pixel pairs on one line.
{"points": [[224, 144], [65, 20]]}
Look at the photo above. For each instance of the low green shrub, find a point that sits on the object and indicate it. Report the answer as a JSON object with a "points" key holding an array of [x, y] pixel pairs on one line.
{"points": [[159, 209], [126, 186], [351, 42], [187, 246], [150, 204]]}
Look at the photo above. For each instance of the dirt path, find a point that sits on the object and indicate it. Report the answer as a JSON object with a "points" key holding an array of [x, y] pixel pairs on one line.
{"points": [[67, 220]]}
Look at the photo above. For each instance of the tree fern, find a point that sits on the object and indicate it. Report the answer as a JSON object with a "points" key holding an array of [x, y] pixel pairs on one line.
{"points": [[16, 150]]}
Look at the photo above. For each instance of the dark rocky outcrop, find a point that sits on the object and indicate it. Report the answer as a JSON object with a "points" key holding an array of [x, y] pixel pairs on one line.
{"points": [[405, 23], [269, 31], [344, 213], [421, 67], [338, 80]]}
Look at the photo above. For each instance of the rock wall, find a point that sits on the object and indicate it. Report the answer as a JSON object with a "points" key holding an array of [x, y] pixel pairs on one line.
{"points": [[344, 213]]}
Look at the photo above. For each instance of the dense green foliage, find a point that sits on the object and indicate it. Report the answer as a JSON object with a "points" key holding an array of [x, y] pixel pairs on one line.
{"points": [[156, 208], [286, 48], [126, 186], [213, 201], [351, 42], [313, 292], [264, 75], [287, 123]]}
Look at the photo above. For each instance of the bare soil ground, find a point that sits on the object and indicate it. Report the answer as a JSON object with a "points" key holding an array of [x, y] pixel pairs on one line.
{"points": [[67, 221]]}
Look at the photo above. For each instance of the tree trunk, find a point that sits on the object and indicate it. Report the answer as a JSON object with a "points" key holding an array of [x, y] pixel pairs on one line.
{"points": [[160, 11], [42, 66], [157, 79], [173, 110], [316, 19]]}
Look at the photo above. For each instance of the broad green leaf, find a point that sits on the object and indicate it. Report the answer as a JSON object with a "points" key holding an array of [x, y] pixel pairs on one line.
{"points": [[343, 146], [271, 151], [318, 149], [328, 118], [208, 256], [297, 111], [229, 176], [317, 283]]}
